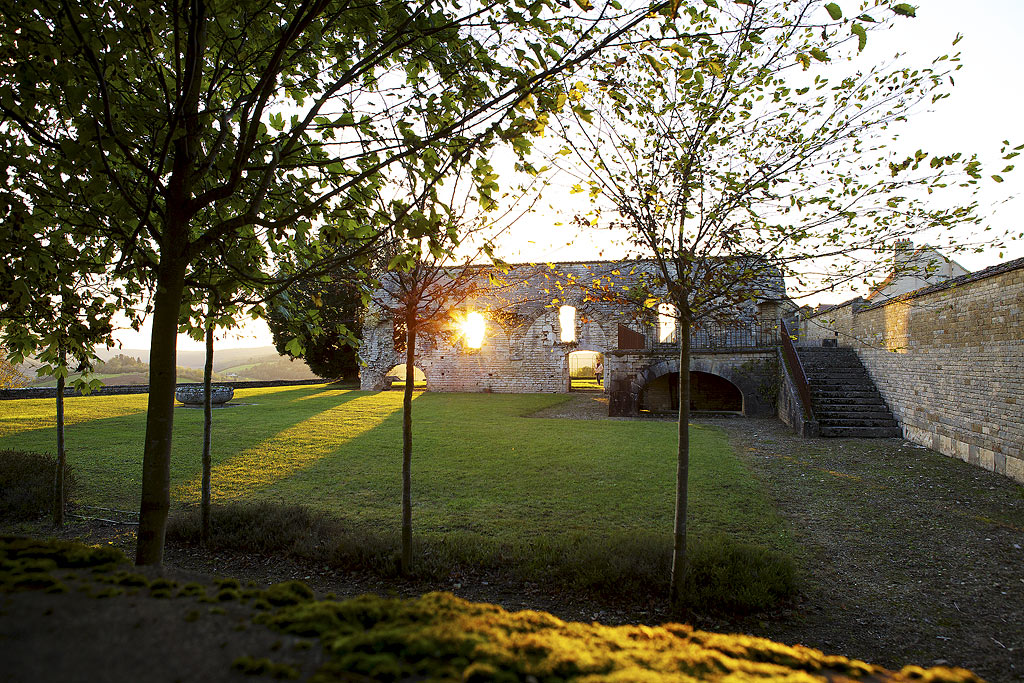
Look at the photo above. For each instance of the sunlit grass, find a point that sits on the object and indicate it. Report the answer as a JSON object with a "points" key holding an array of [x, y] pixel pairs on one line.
{"points": [[480, 466], [38, 413], [292, 450]]}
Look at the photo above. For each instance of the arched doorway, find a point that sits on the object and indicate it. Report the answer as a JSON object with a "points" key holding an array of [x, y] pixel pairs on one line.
{"points": [[396, 377], [708, 393]]}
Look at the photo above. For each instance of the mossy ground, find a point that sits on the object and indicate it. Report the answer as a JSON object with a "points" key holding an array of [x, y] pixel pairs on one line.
{"points": [[434, 637]]}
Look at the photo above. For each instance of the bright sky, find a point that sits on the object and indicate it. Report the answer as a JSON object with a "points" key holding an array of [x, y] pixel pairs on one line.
{"points": [[984, 109]]}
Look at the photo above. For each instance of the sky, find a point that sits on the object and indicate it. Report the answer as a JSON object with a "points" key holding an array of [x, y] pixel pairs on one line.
{"points": [[985, 107]]}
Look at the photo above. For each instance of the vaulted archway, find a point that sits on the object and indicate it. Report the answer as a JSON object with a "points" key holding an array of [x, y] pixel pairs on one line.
{"points": [[708, 393]]}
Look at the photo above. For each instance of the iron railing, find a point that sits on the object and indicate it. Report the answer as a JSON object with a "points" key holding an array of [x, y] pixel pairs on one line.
{"points": [[755, 334]]}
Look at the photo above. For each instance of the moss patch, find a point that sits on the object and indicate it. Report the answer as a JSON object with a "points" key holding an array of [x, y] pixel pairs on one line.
{"points": [[441, 637]]}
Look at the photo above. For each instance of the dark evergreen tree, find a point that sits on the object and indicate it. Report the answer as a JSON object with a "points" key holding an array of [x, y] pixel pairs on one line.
{"points": [[329, 313]]}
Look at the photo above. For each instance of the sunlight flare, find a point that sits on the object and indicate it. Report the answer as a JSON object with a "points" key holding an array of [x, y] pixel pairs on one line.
{"points": [[473, 327]]}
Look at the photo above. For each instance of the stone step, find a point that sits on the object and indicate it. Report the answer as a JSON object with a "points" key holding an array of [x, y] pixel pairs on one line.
{"points": [[857, 421], [871, 400], [861, 432], [826, 368], [860, 409], [838, 376], [833, 383], [845, 392], [845, 399]]}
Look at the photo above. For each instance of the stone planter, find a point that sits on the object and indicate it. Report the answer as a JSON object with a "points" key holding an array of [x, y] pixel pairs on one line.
{"points": [[192, 394]]}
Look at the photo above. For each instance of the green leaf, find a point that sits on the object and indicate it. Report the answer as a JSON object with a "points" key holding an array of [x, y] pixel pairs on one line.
{"points": [[905, 10], [294, 347], [834, 11], [653, 63], [997, 178], [819, 54], [862, 35]]}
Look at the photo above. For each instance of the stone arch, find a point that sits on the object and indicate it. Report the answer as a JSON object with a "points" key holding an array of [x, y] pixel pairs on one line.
{"points": [[397, 375], [725, 380]]}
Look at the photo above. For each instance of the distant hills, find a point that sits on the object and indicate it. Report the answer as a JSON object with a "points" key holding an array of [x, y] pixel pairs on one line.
{"points": [[131, 366]]}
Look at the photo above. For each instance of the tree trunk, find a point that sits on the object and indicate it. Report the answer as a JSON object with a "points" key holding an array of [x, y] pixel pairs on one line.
{"points": [[156, 460], [58, 476], [207, 427], [410, 375], [682, 466], [170, 286]]}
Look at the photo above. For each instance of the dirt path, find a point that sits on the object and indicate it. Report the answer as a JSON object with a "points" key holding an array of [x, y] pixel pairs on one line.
{"points": [[908, 556]]}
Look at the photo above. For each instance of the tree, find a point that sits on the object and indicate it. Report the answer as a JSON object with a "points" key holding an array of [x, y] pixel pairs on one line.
{"points": [[423, 293], [330, 311], [64, 318], [731, 153], [182, 131]]}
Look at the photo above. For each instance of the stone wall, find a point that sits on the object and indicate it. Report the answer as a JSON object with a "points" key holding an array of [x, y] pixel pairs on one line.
{"points": [[124, 389], [949, 360], [522, 350], [790, 405]]}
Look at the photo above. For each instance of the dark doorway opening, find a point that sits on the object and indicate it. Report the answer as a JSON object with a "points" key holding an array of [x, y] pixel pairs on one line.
{"points": [[708, 393]]}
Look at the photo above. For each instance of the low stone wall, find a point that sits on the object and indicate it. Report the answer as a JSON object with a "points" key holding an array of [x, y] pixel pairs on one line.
{"points": [[949, 360], [790, 407], [116, 389]]}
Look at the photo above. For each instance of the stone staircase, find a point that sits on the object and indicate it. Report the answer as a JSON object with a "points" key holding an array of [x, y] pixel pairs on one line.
{"points": [[845, 400]]}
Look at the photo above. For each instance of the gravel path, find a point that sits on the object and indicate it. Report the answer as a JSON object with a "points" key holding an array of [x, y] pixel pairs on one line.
{"points": [[908, 556]]}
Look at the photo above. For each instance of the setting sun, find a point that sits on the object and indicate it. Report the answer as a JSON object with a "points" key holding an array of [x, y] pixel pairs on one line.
{"points": [[473, 329]]}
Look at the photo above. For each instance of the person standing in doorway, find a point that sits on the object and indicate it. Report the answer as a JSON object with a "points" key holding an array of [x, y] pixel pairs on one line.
{"points": [[599, 370]]}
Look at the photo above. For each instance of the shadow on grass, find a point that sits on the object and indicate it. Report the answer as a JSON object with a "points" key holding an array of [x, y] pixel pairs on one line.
{"points": [[724, 576]]}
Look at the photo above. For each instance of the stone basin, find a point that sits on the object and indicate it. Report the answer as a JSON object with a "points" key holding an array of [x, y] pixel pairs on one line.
{"points": [[192, 394]]}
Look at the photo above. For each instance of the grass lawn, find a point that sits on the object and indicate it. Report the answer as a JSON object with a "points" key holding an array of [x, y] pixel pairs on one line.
{"points": [[479, 465]]}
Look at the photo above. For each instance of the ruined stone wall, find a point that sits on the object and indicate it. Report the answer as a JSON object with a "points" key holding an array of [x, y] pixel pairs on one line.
{"points": [[522, 352], [949, 360]]}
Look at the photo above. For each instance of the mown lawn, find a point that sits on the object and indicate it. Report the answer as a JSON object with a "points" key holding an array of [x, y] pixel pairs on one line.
{"points": [[479, 465]]}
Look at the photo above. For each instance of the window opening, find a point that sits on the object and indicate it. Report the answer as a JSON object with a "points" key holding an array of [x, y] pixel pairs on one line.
{"points": [[667, 323], [474, 327], [567, 324]]}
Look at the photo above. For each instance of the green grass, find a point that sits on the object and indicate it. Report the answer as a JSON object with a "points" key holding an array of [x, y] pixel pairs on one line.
{"points": [[479, 466]]}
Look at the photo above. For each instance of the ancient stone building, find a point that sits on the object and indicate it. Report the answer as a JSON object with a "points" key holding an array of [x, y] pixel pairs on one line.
{"points": [[535, 316]]}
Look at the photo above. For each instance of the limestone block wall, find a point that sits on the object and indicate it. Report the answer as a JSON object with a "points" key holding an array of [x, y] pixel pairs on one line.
{"points": [[529, 359], [949, 360], [522, 350]]}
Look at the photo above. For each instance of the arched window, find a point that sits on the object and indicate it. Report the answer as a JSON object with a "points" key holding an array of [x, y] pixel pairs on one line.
{"points": [[567, 324]]}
